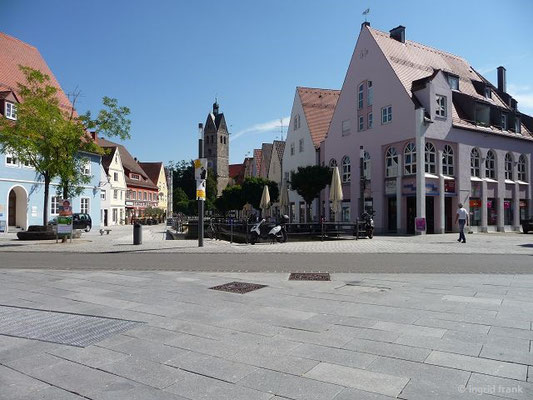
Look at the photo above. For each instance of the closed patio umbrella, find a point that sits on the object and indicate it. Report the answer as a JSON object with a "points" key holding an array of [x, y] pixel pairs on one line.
{"points": [[335, 192], [265, 201], [284, 199]]}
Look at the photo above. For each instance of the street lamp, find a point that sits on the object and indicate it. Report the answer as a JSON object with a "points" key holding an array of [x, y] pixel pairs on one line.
{"points": [[200, 202]]}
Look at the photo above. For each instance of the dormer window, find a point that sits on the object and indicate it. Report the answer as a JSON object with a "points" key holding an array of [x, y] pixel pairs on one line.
{"points": [[135, 176], [86, 168], [10, 110], [453, 81], [504, 122], [488, 93], [440, 111], [517, 125]]}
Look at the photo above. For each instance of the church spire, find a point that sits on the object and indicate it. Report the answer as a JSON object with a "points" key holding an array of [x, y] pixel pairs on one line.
{"points": [[215, 107]]}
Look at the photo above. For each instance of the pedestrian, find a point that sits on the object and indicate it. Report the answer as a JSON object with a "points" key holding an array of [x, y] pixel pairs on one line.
{"points": [[462, 217]]}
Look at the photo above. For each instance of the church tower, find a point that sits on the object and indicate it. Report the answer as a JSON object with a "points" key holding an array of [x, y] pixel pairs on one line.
{"points": [[216, 146]]}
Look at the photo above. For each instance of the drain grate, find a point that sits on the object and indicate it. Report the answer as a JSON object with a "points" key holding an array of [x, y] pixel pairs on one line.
{"points": [[59, 327], [238, 287], [309, 276]]}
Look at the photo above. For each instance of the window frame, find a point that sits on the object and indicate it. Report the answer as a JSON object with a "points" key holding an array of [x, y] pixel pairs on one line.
{"points": [[12, 112], [360, 96], [521, 170], [115, 176], [346, 127], [55, 201], [453, 78], [292, 148], [504, 122], [361, 123], [370, 93], [441, 110], [490, 165], [346, 169], [301, 145], [370, 120], [367, 165], [508, 166], [448, 161], [409, 168], [430, 158], [386, 115], [87, 207], [14, 163], [135, 177], [86, 168], [103, 194], [475, 163], [391, 162]]}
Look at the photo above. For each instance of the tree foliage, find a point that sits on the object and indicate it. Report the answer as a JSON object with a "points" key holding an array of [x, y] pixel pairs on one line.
{"points": [[232, 198], [252, 189], [309, 181]]}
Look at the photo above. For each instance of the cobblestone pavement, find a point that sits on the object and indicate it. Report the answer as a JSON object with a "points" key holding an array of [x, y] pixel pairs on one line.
{"points": [[120, 240], [358, 337]]}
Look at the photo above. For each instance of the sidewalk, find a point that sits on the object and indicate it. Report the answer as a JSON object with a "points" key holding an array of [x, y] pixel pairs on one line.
{"points": [[120, 240], [358, 337]]}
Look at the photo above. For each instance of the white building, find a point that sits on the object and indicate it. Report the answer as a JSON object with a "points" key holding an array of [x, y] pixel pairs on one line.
{"points": [[311, 115], [113, 189]]}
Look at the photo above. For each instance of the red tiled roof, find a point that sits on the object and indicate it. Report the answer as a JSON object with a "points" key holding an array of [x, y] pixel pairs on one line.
{"points": [[318, 105], [235, 170], [14, 52], [152, 169]]}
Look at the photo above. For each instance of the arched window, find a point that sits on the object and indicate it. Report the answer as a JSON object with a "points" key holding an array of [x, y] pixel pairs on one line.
{"points": [[430, 158], [490, 165], [391, 162], [447, 161], [522, 168], [509, 166], [332, 163], [346, 169], [475, 163], [410, 159], [366, 166]]}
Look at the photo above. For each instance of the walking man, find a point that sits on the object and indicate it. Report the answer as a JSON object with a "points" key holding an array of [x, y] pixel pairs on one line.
{"points": [[462, 217]]}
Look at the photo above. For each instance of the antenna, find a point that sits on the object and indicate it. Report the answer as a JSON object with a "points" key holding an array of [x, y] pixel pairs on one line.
{"points": [[281, 126]]}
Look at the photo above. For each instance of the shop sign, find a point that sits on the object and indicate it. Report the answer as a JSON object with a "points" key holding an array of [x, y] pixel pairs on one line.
{"points": [[431, 189], [475, 203], [420, 224], [449, 186], [390, 186], [129, 203]]}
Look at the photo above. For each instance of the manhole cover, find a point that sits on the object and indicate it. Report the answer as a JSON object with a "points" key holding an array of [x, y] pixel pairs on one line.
{"points": [[59, 327], [309, 276], [238, 287]]}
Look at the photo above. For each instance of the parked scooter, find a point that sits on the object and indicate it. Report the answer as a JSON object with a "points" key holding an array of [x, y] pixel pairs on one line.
{"points": [[368, 222], [261, 231]]}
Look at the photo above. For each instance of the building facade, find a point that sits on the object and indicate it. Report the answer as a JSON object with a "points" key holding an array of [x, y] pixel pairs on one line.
{"points": [[21, 187], [311, 115], [156, 173], [216, 146], [416, 131], [113, 189]]}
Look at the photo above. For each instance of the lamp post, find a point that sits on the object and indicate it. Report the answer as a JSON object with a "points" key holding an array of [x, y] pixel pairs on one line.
{"points": [[362, 182], [200, 202]]}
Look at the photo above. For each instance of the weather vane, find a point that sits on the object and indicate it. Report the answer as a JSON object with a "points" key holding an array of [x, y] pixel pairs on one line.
{"points": [[366, 12]]}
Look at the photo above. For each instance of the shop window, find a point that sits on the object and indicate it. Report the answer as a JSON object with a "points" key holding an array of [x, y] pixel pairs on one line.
{"points": [[507, 212], [410, 159], [475, 212], [391, 162], [492, 212]]}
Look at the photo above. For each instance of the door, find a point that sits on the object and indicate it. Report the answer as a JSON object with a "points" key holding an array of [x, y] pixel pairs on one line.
{"points": [[391, 214], [448, 214], [430, 214], [411, 214], [12, 209]]}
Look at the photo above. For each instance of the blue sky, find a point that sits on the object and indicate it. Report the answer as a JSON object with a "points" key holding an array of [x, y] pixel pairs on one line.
{"points": [[168, 59]]}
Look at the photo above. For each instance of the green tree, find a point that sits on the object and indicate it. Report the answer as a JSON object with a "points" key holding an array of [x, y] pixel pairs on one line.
{"points": [[252, 189], [309, 182], [232, 198]]}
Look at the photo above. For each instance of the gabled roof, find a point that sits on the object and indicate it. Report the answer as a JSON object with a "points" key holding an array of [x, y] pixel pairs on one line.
{"points": [[152, 169], [318, 106], [266, 155], [130, 165], [107, 158], [235, 170], [15, 52], [415, 63]]}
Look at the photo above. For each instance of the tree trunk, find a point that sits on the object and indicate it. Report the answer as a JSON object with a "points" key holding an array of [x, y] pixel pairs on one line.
{"points": [[46, 193], [308, 213], [65, 189]]}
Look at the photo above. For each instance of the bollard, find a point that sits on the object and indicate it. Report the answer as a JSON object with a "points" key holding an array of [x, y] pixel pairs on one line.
{"points": [[137, 233], [357, 229]]}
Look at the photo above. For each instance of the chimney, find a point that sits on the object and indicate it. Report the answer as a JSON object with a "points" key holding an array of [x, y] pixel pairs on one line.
{"points": [[135, 158], [365, 24], [502, 80], [215, 108], [398, 33]]}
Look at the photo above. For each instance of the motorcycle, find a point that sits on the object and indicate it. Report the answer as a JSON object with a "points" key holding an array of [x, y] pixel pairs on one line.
{"points": [[277, 233], [368, 223]]}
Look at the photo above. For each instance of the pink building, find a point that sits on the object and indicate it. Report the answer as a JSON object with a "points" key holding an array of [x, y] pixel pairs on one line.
{"points": [[401, 99]]}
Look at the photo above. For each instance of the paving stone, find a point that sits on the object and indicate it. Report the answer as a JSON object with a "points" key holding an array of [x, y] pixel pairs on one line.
{"points": [[505, 388], [49, 393], [332, 355], [213, 367], [287, 364], [358, 378], [15, 384], [35, 362], [92, 356], [388, 349], [511, 332], [152, 351], [481, 365], [290, 386], [144, 371], [473, 300], [355, 394], [509, 354], [444, 344], [197, 387], [409, 329], [450, 325], [140, 392]]}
